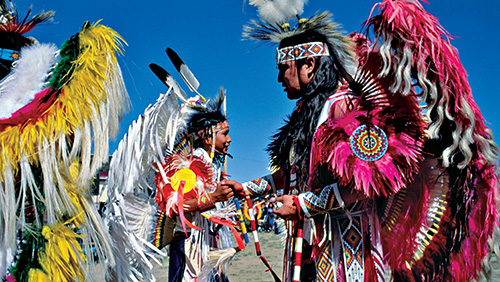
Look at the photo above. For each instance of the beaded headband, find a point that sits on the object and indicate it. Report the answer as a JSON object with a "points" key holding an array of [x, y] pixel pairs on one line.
{"points": [[9, 55], [301, 51], [216, 128]]}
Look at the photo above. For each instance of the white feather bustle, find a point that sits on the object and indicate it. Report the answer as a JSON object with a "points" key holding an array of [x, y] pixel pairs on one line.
{"points": [[130, 209]]}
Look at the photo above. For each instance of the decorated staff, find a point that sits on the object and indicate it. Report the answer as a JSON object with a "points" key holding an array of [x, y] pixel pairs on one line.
{"points": [[251, 213], [242, 220]]}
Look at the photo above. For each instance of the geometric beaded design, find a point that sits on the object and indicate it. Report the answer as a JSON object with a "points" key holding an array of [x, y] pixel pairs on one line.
{"points": [[205, 202], [260, 186], [352, 246], [301, 51], [325, 268], [368, 144], [316, 203]]}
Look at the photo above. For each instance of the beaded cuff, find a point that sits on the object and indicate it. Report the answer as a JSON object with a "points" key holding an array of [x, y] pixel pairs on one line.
{"points": [[205, 202], [328, 199], [261, 186]]}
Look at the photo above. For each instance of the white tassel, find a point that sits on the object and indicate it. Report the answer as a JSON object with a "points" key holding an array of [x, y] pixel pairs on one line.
{"points": [[216, 260]]}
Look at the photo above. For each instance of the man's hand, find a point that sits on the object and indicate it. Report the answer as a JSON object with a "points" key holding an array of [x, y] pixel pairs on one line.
{"points": [[223, 192], [288, 210]]}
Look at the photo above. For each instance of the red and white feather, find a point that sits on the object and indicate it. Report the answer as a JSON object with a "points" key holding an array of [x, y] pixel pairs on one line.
{"points": [[166, 196]]}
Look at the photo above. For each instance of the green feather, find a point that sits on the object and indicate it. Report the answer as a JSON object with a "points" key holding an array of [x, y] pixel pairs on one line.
{"points": [[70, 50], [33, 243]]}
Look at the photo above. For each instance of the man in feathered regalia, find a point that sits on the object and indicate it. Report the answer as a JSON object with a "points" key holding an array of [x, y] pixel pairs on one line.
{"points": [[386, 159], [59, 109]]}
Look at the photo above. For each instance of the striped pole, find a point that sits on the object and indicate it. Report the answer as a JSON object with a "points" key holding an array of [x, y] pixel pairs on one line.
{"points": [[252, 222], [242, 220], [298, 250]]}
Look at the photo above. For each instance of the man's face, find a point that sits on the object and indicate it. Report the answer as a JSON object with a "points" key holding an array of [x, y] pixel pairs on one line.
{"points": [[222, 142], [293, 79], [289, 79]]}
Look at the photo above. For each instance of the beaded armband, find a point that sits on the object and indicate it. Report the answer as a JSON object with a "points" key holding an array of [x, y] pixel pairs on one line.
{"points": [[327, 199], [205, 202], [260, 186]]}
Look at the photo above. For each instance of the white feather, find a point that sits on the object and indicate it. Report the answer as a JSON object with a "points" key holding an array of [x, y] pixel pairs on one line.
{"points": [[27, 78], [279, 11], [216, 260], [189, 78], [130, 217]]}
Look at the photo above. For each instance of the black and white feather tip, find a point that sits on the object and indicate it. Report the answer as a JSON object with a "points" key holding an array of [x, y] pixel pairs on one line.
{"points": [[169, 81], [183, 70]]}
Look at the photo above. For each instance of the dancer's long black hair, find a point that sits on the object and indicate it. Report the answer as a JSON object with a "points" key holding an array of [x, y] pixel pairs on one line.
{"points": [[301, 125]]}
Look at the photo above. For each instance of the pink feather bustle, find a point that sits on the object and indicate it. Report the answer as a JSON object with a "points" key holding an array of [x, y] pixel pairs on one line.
{"points": [[413, 39], [389, 173]]}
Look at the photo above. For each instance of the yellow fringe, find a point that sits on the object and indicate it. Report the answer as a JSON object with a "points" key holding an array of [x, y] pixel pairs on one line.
{"points": [[78, 101]]}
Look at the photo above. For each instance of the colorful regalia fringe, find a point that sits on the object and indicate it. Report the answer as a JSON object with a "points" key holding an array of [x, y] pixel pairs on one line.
{"points": [[51, 149]]}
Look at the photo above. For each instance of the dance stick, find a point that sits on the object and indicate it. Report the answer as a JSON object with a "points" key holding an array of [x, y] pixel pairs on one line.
{"points": [[252, 222], [255, 236], [298, 250], [242, 220]]}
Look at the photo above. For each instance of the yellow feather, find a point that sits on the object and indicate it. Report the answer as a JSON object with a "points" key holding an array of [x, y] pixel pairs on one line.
{"points": [[37, 275], [63, 256]]}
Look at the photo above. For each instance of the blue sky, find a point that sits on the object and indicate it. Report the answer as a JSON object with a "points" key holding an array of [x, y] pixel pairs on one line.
{"points": [[207, 36]]}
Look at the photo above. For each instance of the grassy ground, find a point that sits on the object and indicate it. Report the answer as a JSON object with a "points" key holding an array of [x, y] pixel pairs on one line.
{"points": [[247, 267]]}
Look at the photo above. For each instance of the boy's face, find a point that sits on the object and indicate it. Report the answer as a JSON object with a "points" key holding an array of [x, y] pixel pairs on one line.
{"points": [[222, 142]]}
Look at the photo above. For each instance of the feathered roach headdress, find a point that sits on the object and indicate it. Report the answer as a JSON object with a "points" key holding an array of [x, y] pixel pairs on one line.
{"points": [[274, 27], [11, 22], [205, 117], [205, 120], [12, 30]]}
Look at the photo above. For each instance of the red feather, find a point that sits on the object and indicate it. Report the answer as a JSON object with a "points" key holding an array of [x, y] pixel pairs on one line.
{"points": [[166, 197]]}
